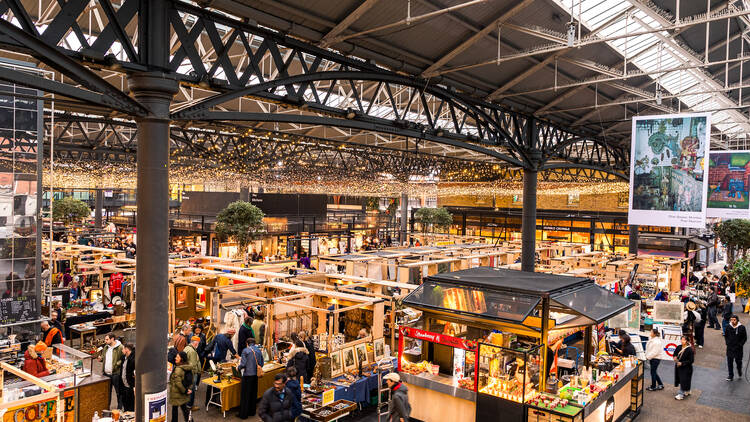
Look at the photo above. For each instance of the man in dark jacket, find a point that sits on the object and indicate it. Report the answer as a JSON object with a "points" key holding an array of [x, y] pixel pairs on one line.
{"points": [[712, 304], [222, 344], [127, 382], [399, 408], [735, 338], [278, 403]]}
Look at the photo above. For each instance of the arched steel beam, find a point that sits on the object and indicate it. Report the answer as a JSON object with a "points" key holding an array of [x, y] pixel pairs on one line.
{"points": [[352, 124], [612, 171], [262, 90], [57, 60]]}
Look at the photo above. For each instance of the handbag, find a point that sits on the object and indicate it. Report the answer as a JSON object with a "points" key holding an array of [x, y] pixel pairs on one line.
{"points": [[259, 369]]}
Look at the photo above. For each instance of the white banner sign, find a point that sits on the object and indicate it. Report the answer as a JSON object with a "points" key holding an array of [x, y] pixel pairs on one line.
{"points": [[668, 170]]}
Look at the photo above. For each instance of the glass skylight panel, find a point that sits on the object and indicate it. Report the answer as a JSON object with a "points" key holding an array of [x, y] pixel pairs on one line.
{"points": [[644, 51]]}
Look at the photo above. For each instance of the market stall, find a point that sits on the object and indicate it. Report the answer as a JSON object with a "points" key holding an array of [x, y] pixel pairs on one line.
{"points": [[486, 346], [72, 388]]}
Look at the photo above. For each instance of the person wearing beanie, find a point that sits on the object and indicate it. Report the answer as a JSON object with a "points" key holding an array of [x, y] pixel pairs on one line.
{"points": [[194, 362], [33, 363], [399, 408]]}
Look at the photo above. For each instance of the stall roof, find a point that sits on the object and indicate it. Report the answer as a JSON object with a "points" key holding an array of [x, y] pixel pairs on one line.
{"points": [[593, 302], [472, 301], [505, 279]]}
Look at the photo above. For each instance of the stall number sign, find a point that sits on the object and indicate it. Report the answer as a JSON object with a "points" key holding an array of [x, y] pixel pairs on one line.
{"points": [[328, 396], [438, 338], [42, 411]]}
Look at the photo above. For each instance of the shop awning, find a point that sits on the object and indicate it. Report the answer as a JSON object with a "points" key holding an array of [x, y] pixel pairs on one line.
{"points": [[593, 302], [452, 298], [702, 243]]}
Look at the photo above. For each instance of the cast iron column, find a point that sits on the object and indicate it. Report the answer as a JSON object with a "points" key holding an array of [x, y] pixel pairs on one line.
{"points": [[154, 91], [633, 239], [404, 217], [98, 204], [528, 221]]}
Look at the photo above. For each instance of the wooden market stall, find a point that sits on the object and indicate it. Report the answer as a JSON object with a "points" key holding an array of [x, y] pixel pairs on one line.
{"points": [[484, 348]]}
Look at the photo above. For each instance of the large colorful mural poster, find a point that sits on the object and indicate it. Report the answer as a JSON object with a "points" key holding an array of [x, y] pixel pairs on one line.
{"points": [[668, 170], [728, 184]]}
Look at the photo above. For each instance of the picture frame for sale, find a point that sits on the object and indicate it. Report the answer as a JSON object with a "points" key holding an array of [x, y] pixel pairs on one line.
{"points": [[378, 348], [337, 364], [349, 358], [361, 352]]}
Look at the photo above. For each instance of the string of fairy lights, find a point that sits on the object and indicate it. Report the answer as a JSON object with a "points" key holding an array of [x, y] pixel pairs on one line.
{"points": [[290, 163]]}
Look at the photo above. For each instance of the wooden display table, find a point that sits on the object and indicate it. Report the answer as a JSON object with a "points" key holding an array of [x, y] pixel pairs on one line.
{"points": [[82, 331], [227, 395]]}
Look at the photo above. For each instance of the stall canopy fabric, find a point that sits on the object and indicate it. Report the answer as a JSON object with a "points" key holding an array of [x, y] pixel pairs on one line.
{"points": [[593, 302], [466, 300], [511, 280]]}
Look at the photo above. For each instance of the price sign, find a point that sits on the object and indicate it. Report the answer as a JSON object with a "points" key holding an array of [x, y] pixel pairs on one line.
{"points": [[328, 397]]}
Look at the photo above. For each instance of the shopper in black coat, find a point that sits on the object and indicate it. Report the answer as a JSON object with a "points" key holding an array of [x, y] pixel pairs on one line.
{"points": [[712, 304], [127, 381], [298, 357], [684, 356], [735, 339], [278, 403], [244, 333], [310, 346]]}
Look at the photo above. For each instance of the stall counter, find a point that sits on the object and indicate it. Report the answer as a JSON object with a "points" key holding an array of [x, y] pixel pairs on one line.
{"points": [[447, 402]]}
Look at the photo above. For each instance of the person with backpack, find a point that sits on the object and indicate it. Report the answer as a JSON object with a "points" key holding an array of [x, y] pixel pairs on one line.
{"points": [[180, 384], [399, 408]]}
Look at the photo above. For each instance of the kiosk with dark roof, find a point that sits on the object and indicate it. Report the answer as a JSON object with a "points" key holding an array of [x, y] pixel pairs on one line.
{"points": [[487, 345]]}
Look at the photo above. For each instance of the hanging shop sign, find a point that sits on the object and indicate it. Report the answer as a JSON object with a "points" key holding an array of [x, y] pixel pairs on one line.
{"points": [[42, 411], [439, 338], [668, 170], [728, 184]]}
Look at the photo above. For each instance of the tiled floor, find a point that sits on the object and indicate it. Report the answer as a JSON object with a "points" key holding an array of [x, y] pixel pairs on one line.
{"points": [[713, 398]]}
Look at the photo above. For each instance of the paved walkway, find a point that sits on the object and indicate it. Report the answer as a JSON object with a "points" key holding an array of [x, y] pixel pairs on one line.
{"points": [[712, 396]]}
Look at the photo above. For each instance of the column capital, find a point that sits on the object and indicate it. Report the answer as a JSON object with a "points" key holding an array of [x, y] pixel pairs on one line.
{"points": [[154, 90]]}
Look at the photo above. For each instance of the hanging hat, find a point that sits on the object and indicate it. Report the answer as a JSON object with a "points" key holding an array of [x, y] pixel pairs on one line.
{"points": [[40, 347]]}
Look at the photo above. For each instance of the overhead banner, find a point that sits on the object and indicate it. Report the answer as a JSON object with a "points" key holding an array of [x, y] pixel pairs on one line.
{"points": [[728, 184], [668, 169]]}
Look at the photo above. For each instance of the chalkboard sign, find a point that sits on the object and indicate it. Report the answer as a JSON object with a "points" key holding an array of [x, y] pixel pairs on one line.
{"points": [[18, 309]]}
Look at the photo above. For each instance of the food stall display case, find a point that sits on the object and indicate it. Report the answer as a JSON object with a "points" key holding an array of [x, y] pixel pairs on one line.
{"points": [[504, 323]]}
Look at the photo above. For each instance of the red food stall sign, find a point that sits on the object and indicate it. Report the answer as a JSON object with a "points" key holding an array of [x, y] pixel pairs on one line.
{"points": [[439, 338]]}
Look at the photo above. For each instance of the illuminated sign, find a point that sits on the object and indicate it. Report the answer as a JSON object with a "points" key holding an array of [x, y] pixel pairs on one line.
{"points": [[43, 411]]}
